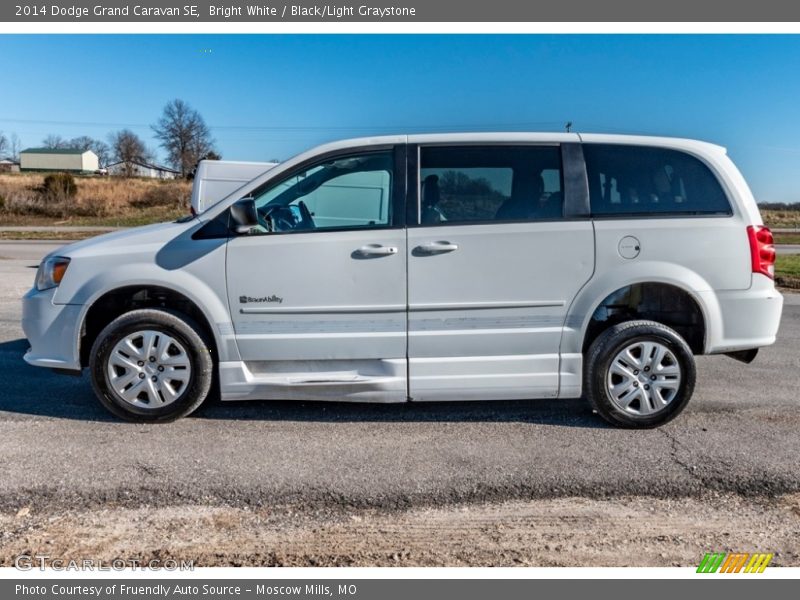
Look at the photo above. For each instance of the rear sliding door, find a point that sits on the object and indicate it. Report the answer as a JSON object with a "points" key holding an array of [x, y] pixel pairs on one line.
{"points": [[493, 265]]}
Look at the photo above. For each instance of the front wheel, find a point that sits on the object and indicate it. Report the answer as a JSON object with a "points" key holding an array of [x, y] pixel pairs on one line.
{"points": [[151, 365], [639, 374]]}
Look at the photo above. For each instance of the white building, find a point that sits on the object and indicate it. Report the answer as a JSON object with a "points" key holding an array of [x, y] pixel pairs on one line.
{"points": [[58, 159], [9, 166], [141, 169]]}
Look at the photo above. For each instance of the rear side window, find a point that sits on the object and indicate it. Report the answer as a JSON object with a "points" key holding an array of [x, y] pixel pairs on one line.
{"points": [[479, 184], [637, 180]]}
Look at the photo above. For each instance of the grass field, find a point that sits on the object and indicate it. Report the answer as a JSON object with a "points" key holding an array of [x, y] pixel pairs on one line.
{"points": [[132, 219], [788, 264], [787, 238], [103, 201], [787, 271], [49, 235], [781, 219]]}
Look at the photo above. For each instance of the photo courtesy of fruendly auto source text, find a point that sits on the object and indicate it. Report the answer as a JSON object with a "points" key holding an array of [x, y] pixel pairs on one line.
{"points": [[394, 300]]}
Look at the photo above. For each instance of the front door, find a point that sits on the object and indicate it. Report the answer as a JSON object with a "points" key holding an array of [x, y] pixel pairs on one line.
{"points": [[317, 292], [493, 266]]}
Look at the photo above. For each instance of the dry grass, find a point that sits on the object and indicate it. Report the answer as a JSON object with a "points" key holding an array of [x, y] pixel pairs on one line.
{"points": [[100, 200], [781, 219], [66, 236]]}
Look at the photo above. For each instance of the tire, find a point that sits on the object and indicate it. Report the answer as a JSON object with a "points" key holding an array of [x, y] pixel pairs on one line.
{"points": [[639, 374], [151, 366]]}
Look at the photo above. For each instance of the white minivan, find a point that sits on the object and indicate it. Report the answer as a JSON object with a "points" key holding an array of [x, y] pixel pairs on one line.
{"points": [[488, 266]]}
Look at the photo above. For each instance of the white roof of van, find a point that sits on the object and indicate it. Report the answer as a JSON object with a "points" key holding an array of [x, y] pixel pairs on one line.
{"points": [[521, 137]]}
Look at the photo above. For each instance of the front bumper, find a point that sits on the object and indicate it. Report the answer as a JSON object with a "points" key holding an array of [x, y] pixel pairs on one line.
{"points": [[52, 331]]}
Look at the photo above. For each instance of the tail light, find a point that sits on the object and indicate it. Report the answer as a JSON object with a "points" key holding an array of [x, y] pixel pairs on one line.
{"points": [[762, 250]]}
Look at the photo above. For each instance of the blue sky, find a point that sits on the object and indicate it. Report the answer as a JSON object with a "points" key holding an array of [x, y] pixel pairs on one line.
{"points": [[271, 96]]}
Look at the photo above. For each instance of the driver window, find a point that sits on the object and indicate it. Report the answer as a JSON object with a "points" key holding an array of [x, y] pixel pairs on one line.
{"points": [[349, 192]]}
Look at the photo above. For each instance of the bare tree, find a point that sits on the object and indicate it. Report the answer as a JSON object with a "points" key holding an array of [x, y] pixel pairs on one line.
{"points": [[100, 148], [3, 144], [184, 135], [128, 148], [82, 142], [103, 152], [54, 142], [16, 147]]}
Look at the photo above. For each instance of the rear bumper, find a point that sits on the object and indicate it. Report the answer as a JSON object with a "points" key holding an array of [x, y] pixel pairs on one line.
{"points": [[52, 331], [749, 318]]}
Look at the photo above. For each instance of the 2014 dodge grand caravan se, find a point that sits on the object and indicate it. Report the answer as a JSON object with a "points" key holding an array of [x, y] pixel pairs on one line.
{"points": [[426, 268]]}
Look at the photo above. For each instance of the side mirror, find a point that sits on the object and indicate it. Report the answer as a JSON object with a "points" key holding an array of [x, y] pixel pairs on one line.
{"points": [[243, 215]]}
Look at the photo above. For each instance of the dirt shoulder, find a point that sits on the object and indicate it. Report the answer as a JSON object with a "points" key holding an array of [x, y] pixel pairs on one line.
{"points": [[559, 532]]}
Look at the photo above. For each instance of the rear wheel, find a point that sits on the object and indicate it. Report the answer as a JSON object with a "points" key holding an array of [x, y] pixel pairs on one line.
{"points": [[639, 374], [151, 365]]}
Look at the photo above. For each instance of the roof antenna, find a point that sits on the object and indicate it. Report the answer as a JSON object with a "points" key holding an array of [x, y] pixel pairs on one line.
{"points": [[568, 126]]}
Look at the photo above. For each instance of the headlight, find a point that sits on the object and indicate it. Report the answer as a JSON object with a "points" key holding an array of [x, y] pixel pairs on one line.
{"points": [[51, 272]]}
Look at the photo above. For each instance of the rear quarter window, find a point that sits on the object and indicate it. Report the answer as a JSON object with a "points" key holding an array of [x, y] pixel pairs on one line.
{"points": [[642, 181]]}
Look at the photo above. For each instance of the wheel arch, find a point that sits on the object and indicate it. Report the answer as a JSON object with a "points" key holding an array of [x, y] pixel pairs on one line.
{"points": [[683, 282], [110, 303]]}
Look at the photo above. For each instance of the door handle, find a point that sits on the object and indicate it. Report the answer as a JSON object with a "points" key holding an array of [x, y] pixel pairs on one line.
{"points": [[371, 250], [436, 247]]}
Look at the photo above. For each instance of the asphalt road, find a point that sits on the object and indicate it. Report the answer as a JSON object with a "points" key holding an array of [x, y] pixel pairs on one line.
{"points": [[787, 249], [59, 448], [28, 250]]}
